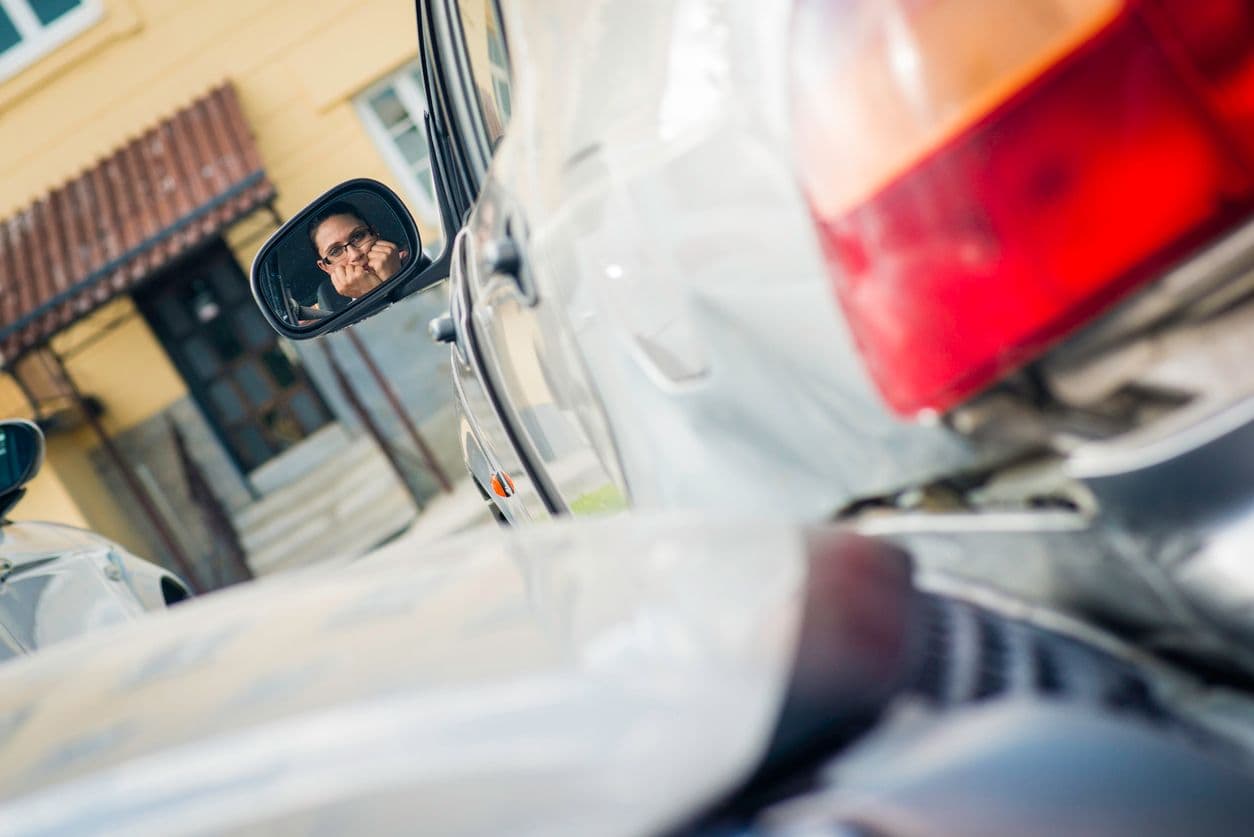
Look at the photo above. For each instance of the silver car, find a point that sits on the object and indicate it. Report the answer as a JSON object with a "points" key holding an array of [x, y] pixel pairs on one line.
{"points": [[974, 279], [631, 675], [58, 582], [971, 277], [654, 305]]}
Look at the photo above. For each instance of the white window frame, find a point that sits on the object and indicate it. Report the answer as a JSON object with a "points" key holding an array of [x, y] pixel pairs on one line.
{"points": [[411, 95], [37, 39]]}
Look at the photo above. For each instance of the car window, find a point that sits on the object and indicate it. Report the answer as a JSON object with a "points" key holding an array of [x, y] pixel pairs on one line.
{"points": [[485, 44]]}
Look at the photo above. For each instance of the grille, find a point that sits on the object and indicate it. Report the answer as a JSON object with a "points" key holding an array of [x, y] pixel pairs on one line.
{"points": [[972, 655]]}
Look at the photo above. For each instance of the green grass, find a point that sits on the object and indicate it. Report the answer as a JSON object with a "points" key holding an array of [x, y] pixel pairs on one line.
{"points": [[602, 500]]}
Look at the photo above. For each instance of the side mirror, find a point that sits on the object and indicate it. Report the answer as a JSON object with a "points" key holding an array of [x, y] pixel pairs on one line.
{"points": [[347, 255], [21, 455]]}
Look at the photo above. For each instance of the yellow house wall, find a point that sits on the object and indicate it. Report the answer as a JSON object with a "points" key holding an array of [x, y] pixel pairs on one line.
{"points": [[296, 65], [99, 509], [124, 366], [113, 356], [67, 489], [47, 498]]}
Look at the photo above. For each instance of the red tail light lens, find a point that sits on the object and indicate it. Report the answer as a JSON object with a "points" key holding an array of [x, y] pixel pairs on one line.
{"points": [[1216, 40], [981, 187]]}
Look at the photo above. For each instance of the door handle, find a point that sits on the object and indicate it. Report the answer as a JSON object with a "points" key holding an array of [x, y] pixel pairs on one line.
{"points": [[503, 256]]}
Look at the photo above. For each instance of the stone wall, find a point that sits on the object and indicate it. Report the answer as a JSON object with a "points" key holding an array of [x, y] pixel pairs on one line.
{"points": [[150, 449]]}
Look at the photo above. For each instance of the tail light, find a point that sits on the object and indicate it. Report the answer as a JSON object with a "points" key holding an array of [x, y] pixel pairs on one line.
{"points": [[986, 177]]}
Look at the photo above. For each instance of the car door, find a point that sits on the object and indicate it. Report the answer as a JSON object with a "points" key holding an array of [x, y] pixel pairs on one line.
{"points": [[491, 451], [529, 362]]}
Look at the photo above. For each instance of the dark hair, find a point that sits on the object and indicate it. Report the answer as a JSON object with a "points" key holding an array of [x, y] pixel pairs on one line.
{"points": [[333, 208]]}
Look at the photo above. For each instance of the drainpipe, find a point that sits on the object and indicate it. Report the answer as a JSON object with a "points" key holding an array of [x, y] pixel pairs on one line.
{"points": [[406, 421], [366, 419], [177, 556]]}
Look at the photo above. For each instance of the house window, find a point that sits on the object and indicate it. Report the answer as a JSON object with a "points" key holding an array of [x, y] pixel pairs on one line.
{"points": [[392, 112], [31, 28]]}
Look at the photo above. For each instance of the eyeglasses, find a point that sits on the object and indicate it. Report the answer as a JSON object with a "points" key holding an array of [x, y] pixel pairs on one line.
{"points": [[358, 241]]}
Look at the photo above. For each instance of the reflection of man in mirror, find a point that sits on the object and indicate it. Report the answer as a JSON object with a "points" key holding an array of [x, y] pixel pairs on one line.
{"points": [[351, 252]]}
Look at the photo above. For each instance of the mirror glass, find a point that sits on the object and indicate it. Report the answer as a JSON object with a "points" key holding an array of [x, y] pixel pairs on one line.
{"points": [[21, 452], [338, 251]]}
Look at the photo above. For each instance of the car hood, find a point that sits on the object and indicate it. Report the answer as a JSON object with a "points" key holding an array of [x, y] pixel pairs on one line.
{"points": [[24, 543], [603, 678], [58, 582]]}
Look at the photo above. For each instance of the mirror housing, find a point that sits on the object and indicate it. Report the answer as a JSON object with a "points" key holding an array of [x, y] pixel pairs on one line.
{"points": [[298, 273], [21, 457]]}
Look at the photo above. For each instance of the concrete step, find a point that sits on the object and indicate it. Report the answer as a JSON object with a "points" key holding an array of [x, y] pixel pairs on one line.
{"points": [[336, 462], [293, 463], [355, 484], [342, 507], [341, 536]]}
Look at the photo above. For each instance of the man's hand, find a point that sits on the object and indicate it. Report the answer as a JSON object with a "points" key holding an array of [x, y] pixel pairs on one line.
{"points": [[354, 280], [384, 259]]}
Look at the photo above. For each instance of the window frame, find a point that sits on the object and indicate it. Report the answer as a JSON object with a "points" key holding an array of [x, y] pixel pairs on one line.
{"points": [[461, 90], [405, 82], [38, 39]]}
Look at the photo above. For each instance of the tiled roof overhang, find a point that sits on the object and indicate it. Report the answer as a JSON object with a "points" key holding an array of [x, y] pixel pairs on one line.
{"points": [[159, 196]]}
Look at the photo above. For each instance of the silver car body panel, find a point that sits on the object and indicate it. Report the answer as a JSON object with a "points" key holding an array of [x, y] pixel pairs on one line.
{"points": [[58, 582], [679, 330], [594, 678], [677, 317], [487, 449], [603, 678]]}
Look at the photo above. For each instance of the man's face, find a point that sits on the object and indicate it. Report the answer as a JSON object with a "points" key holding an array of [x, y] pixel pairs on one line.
{"points": [[337, 231]]}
